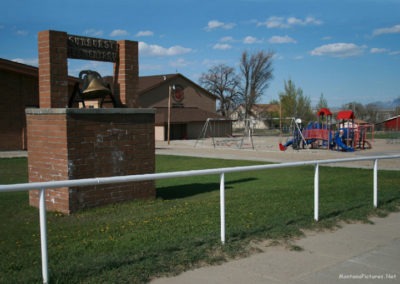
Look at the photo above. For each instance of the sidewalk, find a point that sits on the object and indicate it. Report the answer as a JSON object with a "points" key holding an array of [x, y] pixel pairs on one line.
{"points": [[355, 253], [13, 154]]}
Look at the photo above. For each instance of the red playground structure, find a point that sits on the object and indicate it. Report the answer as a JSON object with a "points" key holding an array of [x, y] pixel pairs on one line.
{"points": [[348, 135]]}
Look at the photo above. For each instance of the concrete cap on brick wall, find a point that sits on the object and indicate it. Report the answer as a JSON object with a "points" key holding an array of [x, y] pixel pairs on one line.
{"points": [[43, 111]]}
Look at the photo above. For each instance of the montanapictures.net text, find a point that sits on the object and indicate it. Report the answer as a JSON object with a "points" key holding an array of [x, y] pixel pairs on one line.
{"points": [[387, 276]]}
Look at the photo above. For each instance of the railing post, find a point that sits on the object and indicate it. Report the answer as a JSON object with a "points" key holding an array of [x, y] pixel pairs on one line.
{"points": [[43, 235], [316, 192], [376, 183], [222, 206]]}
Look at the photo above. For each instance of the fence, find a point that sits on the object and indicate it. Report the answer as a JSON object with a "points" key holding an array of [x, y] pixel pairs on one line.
{"points": [[42, 186]]}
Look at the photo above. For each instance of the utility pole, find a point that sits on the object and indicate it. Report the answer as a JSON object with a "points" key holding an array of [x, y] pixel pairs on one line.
{"points": [[170, 89]]}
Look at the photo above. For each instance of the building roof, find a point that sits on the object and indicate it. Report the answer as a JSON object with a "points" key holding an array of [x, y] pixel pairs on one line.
{"points": [[147, 83], [259, 108], [390, 119], [18, 67]]}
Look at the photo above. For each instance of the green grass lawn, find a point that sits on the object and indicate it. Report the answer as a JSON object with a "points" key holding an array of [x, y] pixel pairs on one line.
{"points": [[133, 242]]}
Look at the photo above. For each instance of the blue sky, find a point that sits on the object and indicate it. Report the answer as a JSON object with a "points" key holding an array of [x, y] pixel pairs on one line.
{"points": [[346, 50]]}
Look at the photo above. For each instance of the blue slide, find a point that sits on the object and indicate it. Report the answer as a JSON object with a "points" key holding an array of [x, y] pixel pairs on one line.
{"points": [[339, 142]]}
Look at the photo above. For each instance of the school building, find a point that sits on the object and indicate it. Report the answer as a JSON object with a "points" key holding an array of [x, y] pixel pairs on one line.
{"points": [[182, 106]]}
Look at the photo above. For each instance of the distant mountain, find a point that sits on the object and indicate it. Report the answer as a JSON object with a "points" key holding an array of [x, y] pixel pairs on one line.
{"points": [[388, 104]]}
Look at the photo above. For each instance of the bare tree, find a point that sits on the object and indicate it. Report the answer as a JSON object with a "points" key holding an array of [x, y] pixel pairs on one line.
{"points": [[256, 70], [372, 111], [357, 108], [222, 81]]}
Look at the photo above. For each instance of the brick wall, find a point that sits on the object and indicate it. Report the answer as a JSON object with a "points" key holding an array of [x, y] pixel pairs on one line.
{"points": [[101, 143], [18, 91]]}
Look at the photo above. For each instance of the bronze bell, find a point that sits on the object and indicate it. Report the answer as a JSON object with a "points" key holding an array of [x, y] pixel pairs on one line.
{"points": [[93, 85]]}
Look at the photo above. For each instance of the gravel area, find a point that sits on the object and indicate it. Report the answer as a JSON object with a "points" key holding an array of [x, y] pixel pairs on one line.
{"points": [[267, 149]]}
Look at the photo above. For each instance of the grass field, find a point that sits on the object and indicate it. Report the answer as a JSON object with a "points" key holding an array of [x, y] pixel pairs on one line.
{"points": [[133, 242]]}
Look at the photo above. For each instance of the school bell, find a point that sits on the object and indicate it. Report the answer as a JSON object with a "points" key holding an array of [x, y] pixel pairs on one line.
{"points": [[92, 85]]}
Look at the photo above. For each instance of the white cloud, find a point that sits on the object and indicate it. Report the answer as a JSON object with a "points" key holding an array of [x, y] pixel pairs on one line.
{"points": [[76, 66], [180, 62], [281, 22], [292, 21], [156, 50], [145, 33], [214, 24], [338, 50], [27, 61], [222, 46], [250, 40], [227, 39], [392, 30], [378, 50], [281, 39], [93, 32], [274, 22], [22, 32], [118, 32]]}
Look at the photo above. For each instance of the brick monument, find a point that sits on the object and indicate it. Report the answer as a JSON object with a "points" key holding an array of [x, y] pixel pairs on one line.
{"points": [[72, 143]]}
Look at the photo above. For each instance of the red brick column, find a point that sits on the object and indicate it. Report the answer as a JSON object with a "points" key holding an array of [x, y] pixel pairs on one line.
{"points": [[127, 72], [48, 157], [85, 143], [53, 69]]}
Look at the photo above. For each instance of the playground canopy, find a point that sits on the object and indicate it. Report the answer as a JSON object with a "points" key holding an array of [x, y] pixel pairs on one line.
{"points": [[324, 111], [345, 114]]}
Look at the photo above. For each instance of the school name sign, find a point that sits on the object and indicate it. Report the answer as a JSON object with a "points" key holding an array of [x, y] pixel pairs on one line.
{"points": [[89, 48]]}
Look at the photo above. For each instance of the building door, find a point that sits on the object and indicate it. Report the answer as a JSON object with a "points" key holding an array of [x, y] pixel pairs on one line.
{"points": [[178, 132]]}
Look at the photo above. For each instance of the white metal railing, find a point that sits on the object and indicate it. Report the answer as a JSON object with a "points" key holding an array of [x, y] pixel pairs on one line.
{"points": [[42, 186]]}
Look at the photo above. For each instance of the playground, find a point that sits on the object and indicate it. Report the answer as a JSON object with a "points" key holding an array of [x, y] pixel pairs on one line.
{"points": [[347, 134], [318, 140], [266, 149]]}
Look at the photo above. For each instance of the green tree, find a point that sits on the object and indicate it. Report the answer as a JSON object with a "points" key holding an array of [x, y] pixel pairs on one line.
{"points": [[294, 103], [322, 103]]}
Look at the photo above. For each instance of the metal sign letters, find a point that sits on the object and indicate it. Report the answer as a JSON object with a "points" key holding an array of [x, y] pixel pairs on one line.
{"points": [[89, 48]]}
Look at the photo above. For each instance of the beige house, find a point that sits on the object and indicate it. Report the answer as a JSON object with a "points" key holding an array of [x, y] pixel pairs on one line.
{"points": [[262, 116]]}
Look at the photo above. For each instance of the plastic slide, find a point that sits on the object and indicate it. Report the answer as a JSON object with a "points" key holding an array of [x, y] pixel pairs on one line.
{"points": [[339, 142], [287, 144]]}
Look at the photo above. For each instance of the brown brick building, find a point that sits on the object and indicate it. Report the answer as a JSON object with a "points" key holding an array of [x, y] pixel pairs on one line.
{"points": [[190, 105]]}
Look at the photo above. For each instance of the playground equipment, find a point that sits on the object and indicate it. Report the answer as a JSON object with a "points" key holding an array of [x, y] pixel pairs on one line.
{"points": [[351, 134], [298, 138], [320, 135], [208, 130]]}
